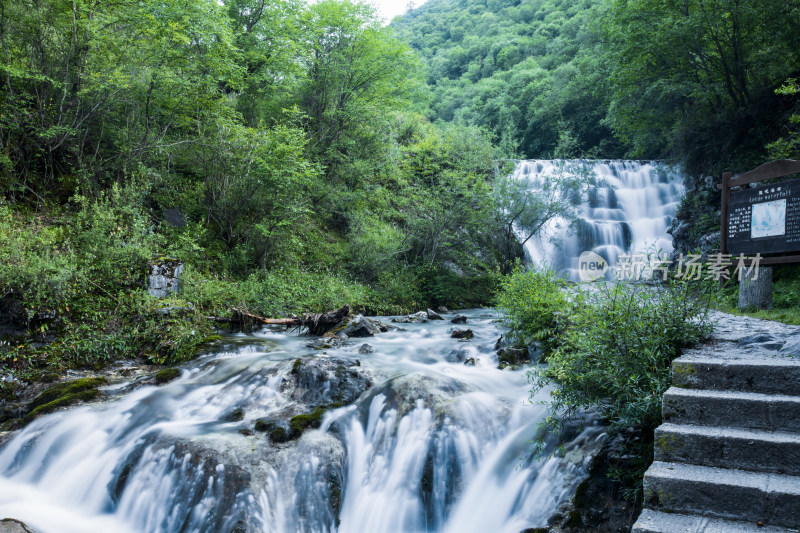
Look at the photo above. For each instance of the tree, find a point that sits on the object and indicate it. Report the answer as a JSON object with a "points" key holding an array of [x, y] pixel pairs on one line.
{"points": [[679, 68]]}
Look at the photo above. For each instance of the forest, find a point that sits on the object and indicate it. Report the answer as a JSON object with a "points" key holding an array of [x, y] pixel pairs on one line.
{"points": [[317, 157]]}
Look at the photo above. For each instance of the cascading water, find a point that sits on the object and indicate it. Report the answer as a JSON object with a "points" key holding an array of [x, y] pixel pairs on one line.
{"points": [[424, 443], [627, 211]]}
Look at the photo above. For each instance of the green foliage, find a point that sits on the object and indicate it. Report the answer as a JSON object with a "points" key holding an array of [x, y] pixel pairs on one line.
{"points": [[527, 71], [37, 264], [535, 307], [695, 78], [616, 350], [612, 349]]}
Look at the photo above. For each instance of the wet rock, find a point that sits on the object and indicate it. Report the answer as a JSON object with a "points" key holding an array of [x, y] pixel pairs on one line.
{"points": [[167, 375], [442, 309], [358, 326], [326, 381], [459, 319], [458, 355], [433, 315], [513, 356], [472, 361], [9, 525], [263, 426], [234, 416], [327, 342], [366, 348], [416, 318], [462, 333]]}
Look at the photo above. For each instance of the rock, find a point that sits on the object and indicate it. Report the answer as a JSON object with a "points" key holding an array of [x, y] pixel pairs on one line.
{"points": [[9, 525], [163, 279], [442, 309], [513, 356], [459, 319], [458, 355], [234, 416], [167, 375], [366, 348], [263, 425], [472, 361], [433, 315], [462, 333], [358, 326], [323, 381], [791, 348], [416, 318]]}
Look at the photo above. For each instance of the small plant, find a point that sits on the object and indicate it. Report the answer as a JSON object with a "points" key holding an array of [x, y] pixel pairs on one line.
{"points": [[535, 306]]}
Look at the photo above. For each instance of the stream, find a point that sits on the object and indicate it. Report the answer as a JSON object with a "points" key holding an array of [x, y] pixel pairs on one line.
{"points": [[422, 442]]}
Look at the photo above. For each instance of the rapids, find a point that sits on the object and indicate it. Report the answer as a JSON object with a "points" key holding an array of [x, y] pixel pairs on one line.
{"points": [[431, 445]]}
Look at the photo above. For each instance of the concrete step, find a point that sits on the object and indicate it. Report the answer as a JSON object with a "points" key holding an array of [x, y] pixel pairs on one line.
{"points": [[775, 375], [655, 522], [771, 412], [725, 447], [773, 499]]}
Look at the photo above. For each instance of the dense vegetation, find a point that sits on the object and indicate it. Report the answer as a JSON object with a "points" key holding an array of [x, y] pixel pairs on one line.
{"points": [[607, 347], [708, 83], [291, 141]]}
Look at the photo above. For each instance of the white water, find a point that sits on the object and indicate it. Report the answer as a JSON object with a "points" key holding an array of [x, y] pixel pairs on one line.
{"points": [[629, 211], [432, 446]]}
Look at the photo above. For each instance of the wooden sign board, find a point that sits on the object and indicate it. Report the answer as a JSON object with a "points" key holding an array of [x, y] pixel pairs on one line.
{"points": [[765, 219]]}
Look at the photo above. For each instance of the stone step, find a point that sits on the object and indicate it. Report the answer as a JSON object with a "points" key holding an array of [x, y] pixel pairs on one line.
{"points": [[771, 412], [761, 375], [655, 522], [773, 499], [726, 447]]}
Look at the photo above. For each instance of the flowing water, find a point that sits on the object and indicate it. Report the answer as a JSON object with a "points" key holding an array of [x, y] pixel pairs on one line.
{"points": [[628, 211], [426, 444]]}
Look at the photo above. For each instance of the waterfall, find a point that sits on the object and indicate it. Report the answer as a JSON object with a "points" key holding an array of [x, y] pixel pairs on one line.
{"points": [[627, 210], [423, 443]]}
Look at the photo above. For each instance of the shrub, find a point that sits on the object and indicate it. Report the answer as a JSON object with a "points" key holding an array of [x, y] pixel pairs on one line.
{"points": [[616, 350], [535, 305]]}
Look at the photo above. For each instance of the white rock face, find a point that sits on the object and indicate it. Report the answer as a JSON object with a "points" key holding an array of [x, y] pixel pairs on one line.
{"points": [[164, 278]]}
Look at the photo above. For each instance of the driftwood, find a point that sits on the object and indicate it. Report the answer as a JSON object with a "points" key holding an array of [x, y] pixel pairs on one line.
{"points": [[317, 323]]}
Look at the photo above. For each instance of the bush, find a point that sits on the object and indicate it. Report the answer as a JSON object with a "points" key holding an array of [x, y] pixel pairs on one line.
{"points": [[535, 306], [616, 350], [611, 349]]}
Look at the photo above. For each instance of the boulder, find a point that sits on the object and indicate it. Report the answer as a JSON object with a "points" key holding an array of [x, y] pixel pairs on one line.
{"points": [[433, 315], [163, 279], [442, 309], [366, 348], [459, 319], [462, 333]]}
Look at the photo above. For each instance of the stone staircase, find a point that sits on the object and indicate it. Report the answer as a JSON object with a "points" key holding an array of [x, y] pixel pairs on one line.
{"points": [[727, 457]]}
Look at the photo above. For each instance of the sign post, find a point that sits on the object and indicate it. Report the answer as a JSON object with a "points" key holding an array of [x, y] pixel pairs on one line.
{"points": [[762, 220]]}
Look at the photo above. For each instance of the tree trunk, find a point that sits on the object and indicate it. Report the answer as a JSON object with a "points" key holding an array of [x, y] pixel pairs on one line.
{"points": [[756, 293]]}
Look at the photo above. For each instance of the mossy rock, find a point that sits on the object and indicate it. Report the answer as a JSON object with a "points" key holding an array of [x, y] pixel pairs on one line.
{"points": [[313, 419], [234, 416], [67, 388], [281, 435], [62, 395], [298, 363], [167, 375]]}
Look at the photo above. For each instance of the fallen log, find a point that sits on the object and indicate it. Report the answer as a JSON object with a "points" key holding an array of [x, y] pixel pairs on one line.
{"points": [[316, 323]]}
